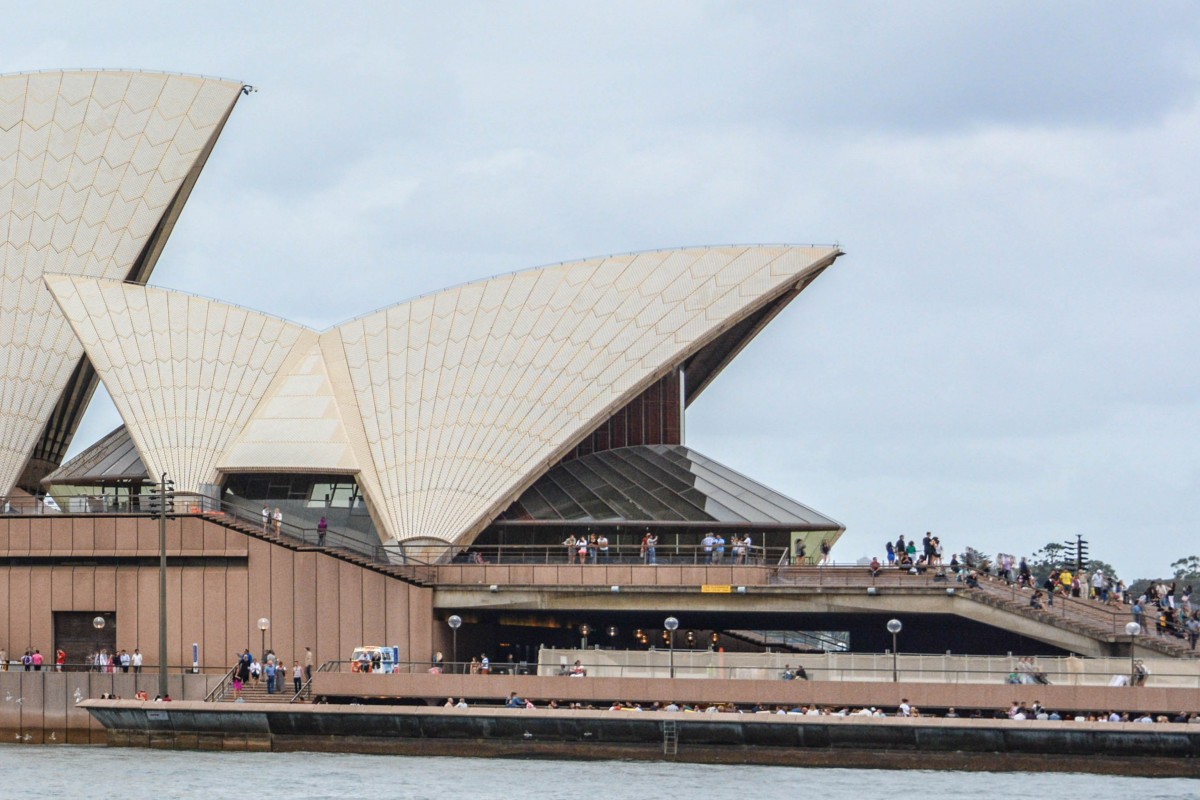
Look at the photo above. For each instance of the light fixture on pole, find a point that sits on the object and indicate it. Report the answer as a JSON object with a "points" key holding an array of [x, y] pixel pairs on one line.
{"points": [[163, 502], [1132, 629], [455, 622], [263, 624], [671, 624], [894, 627], [584, 630]]}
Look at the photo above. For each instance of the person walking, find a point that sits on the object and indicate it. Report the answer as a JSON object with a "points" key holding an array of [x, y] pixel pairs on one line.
{"points": [[266, 518], [278, 517], [297, 677], [322, 528]]}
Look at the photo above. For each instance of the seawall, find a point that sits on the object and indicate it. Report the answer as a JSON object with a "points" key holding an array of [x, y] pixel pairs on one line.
{"points": [[1163, 749], [43, 707]]}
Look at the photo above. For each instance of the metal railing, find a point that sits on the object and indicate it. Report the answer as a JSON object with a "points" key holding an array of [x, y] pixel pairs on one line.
{"points": [[141, 505], [828, 668], [673, 554], [222, 686]]}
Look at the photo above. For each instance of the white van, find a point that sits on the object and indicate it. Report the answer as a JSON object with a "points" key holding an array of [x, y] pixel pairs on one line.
{"points": [[375, 658]]}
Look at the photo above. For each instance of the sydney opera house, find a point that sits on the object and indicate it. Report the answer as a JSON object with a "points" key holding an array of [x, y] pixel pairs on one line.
{"points": [[490, 420]]}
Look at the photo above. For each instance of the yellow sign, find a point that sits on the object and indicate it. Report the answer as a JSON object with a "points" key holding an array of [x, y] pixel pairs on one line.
{"points": [[716, 588]]}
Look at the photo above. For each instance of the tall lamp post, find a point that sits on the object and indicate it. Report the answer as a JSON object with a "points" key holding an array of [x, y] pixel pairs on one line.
{"points": [[584, 630], [263, 624], [672, 625], [1133, 629], [165, 492], [894, 627], [455, 622]]}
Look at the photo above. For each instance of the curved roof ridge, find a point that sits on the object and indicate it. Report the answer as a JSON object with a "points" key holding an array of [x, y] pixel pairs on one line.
{"points": [[126, 70], [100, 166], [566, 262], [192, 295]]}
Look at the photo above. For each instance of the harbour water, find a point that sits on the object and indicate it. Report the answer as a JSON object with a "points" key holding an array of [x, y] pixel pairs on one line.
{"points": [[66, 771]]}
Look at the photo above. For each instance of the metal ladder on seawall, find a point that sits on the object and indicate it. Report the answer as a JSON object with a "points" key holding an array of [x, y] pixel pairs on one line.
{"points": [[670, 738]]}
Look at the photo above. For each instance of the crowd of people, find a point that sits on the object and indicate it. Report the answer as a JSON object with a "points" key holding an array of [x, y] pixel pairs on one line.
{"points": [[1164, 609], [1019, 710], [98, 661], [250, 671], [905, 554], [713, 549]]}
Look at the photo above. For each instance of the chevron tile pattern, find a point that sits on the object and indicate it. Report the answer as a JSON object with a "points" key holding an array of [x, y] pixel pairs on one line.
{"points": [[467, 395], [89, 164], [446, 407], [184, 372]]}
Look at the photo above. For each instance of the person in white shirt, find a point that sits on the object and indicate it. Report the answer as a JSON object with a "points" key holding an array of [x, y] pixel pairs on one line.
{"points": [[136, 660]]}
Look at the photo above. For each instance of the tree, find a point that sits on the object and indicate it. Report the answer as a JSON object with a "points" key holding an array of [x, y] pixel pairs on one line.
{"points": [[1110, 571], [977, 559], [1051, 556], [1186, 569], [1054, 555]]}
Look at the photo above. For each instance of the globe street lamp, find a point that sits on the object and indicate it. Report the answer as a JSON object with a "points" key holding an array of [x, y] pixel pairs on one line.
{"points": [[1132, 629], [894, 627], [584, 630], [263, 624], [671, 624], [455, 622]]}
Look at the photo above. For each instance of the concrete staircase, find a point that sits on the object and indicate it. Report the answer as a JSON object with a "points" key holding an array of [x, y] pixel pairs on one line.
{"points": [[1086, 617], [257, 693], [416, 574]]}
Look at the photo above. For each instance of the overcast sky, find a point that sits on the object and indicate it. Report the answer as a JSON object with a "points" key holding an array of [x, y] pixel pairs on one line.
{"points": [[1005, 356]]}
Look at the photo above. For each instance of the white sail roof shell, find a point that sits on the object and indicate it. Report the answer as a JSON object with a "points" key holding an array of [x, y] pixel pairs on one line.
{"points": [[450, 404], [185, 373], [90, 164]]}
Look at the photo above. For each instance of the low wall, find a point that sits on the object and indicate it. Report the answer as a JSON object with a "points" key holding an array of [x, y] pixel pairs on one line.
{"points": [[495, 688], [43, 707], [1114, 748], [915, 668]]}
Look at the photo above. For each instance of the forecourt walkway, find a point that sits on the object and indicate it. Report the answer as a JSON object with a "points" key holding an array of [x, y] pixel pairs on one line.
{"points": [[602, 692]]}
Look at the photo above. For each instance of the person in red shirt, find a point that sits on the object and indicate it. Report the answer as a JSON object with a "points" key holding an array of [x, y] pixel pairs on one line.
{"points": [[60, 658]]}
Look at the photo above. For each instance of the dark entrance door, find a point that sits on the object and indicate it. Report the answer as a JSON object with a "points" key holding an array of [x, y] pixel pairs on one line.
{"points": [[77, 633]]}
